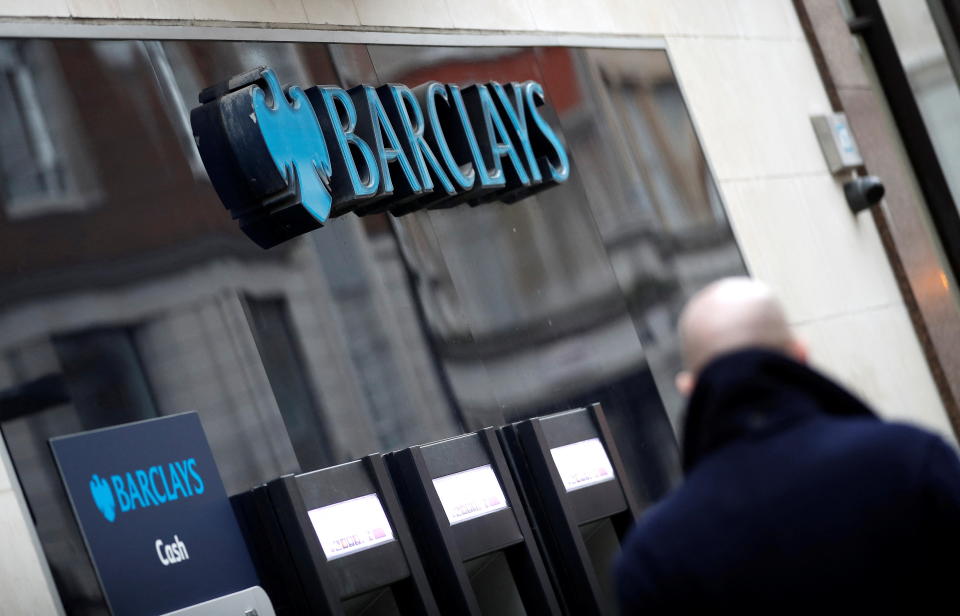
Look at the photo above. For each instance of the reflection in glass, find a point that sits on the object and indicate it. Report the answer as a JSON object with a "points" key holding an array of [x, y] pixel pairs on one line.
{"points": [[283, 362], [933, 82], [369, 334], [42, 168]]}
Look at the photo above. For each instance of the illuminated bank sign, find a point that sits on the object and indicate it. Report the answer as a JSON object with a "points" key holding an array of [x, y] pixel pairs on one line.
{"points": [[154, 514], [283, 161]]}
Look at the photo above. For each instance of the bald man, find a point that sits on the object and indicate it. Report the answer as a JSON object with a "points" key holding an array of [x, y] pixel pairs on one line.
{"points": [[731, 314], [796, 497]]}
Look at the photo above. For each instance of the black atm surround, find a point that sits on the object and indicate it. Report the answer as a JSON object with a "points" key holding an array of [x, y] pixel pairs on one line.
{"points": [[558, 514], [539, 533], [446, 547], [293, 567]]}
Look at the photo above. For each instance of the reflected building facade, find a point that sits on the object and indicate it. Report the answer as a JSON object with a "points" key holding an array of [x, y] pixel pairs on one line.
{"points": [[126, 292]]}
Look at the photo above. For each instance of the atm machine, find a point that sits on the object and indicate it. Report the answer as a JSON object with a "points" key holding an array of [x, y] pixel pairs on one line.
{"points": [[468, 518], [334, 542], [572, 477]]}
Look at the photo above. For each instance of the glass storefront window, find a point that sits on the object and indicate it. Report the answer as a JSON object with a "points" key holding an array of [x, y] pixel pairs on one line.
{"points": [[912, 59], [932, 81], [370, 334]]}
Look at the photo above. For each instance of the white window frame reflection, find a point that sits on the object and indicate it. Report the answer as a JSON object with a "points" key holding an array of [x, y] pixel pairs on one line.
{"points": [[41, 103], [176, 74]]}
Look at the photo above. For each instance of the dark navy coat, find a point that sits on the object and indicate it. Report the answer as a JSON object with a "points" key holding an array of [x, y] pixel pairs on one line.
{"points": [[796, 499]]}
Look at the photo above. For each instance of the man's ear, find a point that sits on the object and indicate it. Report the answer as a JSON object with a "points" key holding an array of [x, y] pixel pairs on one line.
{"points": [[799, 351], [685, 382]]}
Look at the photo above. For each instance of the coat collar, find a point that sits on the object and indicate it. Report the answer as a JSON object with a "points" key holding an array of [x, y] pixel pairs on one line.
{"points": [[754, 390]]}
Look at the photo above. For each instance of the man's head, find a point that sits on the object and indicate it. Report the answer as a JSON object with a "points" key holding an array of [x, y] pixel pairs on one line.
{"points": [[727, 315]]}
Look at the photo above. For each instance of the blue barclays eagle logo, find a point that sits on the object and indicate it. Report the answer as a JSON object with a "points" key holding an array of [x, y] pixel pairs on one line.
{"points": [[293, 136], [103, 498]]}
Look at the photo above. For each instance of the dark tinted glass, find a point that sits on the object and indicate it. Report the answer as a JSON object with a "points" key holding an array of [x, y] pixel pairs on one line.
{"points": [[127, 292]]}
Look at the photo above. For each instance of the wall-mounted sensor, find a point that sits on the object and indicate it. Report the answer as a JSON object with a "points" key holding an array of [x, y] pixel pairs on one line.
{"points": [[837, 142], [863, 192]]}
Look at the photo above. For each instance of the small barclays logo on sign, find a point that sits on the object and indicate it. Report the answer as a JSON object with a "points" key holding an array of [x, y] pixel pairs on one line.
{"points": [[103, 497], [146, 487]]}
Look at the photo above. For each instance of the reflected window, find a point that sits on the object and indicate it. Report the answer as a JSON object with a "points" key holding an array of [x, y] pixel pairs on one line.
{"points": [[666, 152], [105, 376], [39, 172], [283, 362]]}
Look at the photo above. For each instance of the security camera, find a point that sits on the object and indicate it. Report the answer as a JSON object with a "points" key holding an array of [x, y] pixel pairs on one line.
{"points": [[863, 192]]}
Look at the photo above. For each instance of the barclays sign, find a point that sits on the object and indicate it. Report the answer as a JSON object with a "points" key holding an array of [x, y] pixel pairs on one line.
{"points": [[154, 515], [283, 161], [145, 487]]}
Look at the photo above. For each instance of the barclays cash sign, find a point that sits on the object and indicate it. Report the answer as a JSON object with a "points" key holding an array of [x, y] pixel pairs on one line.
{"points": [[146, 487], [154, 515], [284, 160]]}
